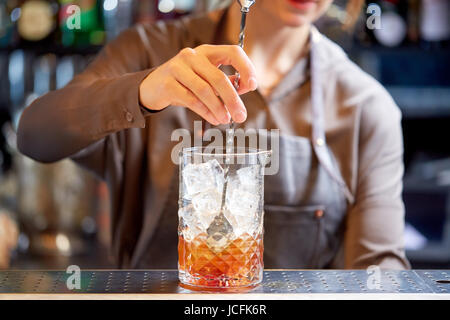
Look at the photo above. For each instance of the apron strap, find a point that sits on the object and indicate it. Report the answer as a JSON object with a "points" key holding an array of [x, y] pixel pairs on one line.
{"points": [[318, 120]]}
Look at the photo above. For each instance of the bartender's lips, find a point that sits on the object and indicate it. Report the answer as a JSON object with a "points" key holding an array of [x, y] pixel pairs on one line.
{"points": [[303, 4]]}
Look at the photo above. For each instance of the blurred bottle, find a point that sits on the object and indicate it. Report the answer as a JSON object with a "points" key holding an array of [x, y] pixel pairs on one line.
{"points": [[149, 11], [6, 23], [37, 22], [81, 23], [169, 9], [18, 68], [118, 16], [413, 20], [393, 30], [435, 22], [405, 22]]}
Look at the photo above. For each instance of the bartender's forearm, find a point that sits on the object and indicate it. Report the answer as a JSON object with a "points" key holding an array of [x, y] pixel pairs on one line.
{"points": [[63, 122], [102, 100]]}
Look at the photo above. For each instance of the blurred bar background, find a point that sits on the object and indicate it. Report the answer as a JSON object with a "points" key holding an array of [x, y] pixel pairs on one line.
{"points": [[62, 212]]}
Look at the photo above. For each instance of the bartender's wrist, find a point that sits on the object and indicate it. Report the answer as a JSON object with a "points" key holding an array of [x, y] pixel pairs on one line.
{"points": [[146, 111], [145, 108], [147, 97]]}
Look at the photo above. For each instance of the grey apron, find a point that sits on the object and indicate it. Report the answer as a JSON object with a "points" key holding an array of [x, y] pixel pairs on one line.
{"points": [[305, 203]]}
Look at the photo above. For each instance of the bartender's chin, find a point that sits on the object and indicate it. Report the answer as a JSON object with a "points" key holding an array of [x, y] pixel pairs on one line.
{"points": [[297, 13], [295, 20]]}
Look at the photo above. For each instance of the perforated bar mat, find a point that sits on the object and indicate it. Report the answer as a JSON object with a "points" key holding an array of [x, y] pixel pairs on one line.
{"points": [[287, 281]]}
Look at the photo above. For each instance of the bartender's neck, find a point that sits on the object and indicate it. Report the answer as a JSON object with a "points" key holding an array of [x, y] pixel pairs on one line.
{"points": [[267, 35]]}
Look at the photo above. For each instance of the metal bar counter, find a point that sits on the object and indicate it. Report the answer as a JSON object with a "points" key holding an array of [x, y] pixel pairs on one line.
{"points": [[277, 284]]}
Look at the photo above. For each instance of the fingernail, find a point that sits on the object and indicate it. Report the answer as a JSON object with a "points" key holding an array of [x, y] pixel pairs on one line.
{"points": [[252, 83], [226, 119], [240, 116]]}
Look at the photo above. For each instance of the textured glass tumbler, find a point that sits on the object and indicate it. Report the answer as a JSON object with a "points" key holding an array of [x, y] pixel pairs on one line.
{"points": [[220, 238]]}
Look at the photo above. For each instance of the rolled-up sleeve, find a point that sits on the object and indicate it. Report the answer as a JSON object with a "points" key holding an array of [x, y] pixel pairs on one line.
{"points": [[102, 100]]}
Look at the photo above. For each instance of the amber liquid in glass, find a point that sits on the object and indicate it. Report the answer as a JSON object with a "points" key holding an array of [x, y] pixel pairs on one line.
{"points": [[239, 264]]}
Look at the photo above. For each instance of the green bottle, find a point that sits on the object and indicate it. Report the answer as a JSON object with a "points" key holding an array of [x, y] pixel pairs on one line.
{"points": [[80, 23]]}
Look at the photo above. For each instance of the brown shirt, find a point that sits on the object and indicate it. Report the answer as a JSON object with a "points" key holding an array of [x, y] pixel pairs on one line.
{"points": [[97, 120]]}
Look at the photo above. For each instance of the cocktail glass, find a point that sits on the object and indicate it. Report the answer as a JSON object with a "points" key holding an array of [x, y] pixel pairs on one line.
{"points": [[221, 237]]}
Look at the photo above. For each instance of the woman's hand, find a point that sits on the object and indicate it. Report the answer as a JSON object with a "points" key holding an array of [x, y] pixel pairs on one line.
{"points": [[8, 239], [192, 79]]}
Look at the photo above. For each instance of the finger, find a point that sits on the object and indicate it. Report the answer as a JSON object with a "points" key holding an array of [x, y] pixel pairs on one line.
{"points": [[236, 57], [203, 91], [232, 80], [188, 99], [221, 84]]}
